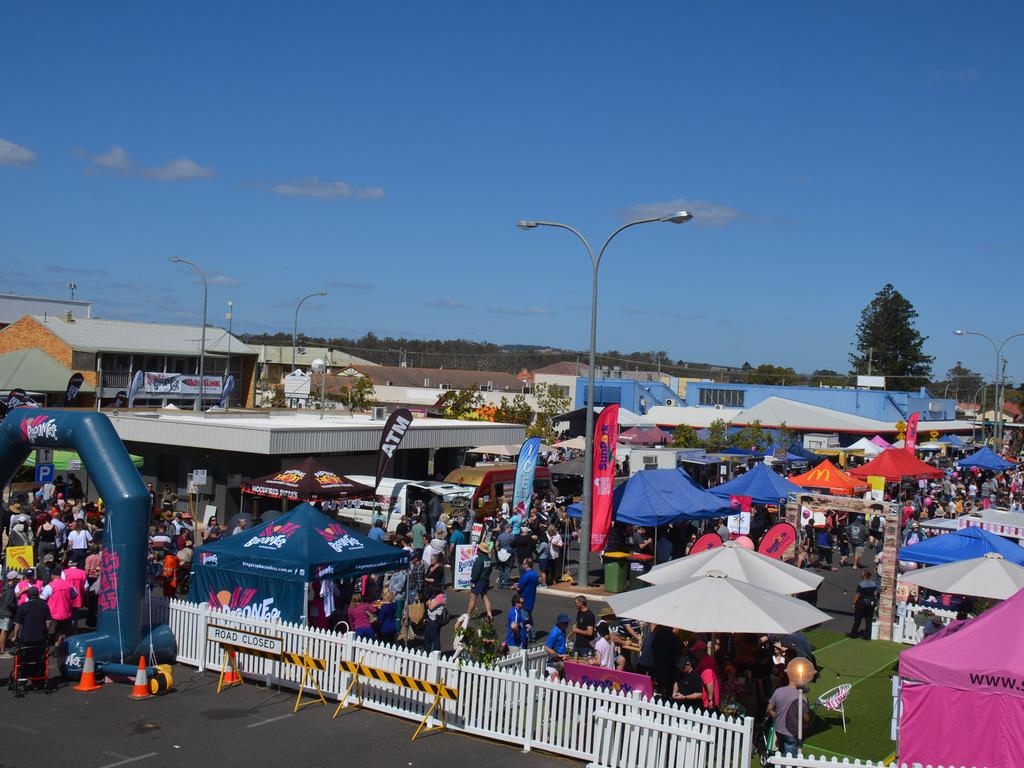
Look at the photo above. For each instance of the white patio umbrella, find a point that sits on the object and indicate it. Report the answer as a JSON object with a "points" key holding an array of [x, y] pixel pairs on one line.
{"points": [[988, 576], [740, 564], [573, 443], [715, 602]]}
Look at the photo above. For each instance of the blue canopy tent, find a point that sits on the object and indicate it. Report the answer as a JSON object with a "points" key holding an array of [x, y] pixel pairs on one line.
{"points": [[790, 456], [263, 571], [952, 440], [762, 484], [740, 452], [661, 496], [798, 450], [960, 545], [986, 459]]}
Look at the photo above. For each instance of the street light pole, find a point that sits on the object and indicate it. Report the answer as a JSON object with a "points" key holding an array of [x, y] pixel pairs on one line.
{"points": [[680, 217], [997, 416], [295, 328], [202, 335]]}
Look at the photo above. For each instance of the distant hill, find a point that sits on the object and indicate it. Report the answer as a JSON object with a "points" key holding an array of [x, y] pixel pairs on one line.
{"points": [[482, 355]]}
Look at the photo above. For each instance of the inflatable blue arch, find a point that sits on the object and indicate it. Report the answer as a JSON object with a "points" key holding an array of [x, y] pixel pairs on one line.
{"points": [[120, 636]]}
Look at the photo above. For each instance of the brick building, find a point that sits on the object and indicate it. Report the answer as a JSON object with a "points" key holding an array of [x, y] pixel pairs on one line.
{"points": [[109, 352]]}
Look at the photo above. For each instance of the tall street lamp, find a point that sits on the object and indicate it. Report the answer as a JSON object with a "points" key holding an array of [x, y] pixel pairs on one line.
{"points": [[680, 217], [295, 328], [997, 428], [202, 335]]}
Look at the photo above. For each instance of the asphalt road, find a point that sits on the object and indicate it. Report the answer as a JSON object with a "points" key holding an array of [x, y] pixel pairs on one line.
{"points": [[194, 726]]}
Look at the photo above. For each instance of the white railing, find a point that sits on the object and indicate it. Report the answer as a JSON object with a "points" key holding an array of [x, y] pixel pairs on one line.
{"points": [[512, 703], [626, 742], [810, 761], [905, 628]]}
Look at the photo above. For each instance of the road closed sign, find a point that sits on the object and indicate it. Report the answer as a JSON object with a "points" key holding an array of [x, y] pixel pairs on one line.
{"points": [[246, 642]]}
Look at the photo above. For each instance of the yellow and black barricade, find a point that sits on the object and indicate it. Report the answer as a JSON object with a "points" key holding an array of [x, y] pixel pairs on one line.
{"points": [[439, 691], [309, 665]]}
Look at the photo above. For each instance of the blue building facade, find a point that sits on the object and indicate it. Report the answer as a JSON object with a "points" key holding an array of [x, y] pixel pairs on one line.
{"points": [[635, 396], [882, 405]]}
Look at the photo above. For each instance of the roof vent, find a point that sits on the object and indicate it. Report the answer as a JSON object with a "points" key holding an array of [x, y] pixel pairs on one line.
{"points": [[68, 318]]}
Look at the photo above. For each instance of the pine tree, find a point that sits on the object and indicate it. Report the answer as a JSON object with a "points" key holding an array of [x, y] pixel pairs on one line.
{"points": [[889, 342]]}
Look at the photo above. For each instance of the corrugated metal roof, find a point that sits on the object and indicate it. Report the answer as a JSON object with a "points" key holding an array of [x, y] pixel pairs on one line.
{"points": [[91, 335], [304, 355], [398, 376], [692, 416], [14, 307], [34, 371], [302, 434]]}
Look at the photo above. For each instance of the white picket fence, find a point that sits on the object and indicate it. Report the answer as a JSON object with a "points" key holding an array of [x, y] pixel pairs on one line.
{"points": [[512, 703], [905, 628], [810, 761]]}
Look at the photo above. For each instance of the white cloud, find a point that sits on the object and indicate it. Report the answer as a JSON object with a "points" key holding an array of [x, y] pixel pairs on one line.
{"points": [[325, 190], [15, 154], [217, 279], [521, 311], [116, 159], [705, 213], [446, 304], [181, 169]]}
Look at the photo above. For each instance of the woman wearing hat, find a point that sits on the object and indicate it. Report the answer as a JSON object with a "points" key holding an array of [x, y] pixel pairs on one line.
{"points": [[480, 578]]}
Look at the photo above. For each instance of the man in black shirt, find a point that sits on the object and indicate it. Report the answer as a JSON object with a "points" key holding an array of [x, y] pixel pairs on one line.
{"points": [[30, 620], [584, 631], [864, 605], [687, 687]]}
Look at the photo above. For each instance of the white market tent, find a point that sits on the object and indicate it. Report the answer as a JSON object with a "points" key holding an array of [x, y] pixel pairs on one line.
{"points": [[869, 448]]}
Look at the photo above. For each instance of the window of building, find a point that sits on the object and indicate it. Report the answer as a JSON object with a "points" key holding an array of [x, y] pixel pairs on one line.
{"points": [[730, 397]]}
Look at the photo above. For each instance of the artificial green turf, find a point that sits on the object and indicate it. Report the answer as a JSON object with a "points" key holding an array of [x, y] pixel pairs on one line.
{"points": [[868, 665]]}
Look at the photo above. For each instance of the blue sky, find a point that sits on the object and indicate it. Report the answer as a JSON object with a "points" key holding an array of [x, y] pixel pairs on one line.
{"points": [[383, 152]]}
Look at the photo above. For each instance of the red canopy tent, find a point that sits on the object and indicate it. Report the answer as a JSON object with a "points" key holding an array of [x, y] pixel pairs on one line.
{"points": [[894, 464], [828, 476], [303, 481]]}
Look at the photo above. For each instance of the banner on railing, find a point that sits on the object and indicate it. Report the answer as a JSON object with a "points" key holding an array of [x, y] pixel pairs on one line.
{"points": [[609, 679], [181, 384]]}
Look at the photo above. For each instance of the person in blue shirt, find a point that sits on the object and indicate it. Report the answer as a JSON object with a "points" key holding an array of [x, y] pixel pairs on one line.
{"points": [[516, 637], [527, 589], [555, 646], [377, 532]]}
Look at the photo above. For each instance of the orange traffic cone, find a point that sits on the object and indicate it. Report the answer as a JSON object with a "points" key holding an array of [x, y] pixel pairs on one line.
{"points": [[88, 681], [141, 688], [231, 677]]}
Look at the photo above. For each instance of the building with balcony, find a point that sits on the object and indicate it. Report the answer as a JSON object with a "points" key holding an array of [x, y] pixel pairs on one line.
{"points": [[109, 352]]}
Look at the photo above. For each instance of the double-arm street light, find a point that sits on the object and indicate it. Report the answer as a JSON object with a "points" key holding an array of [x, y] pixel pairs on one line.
{"points": [[295, 328], [997, 429], [202, 334], [680, 217]]}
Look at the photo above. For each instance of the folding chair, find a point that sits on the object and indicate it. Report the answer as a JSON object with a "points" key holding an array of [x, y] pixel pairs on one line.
{"points": [[834, 698]]}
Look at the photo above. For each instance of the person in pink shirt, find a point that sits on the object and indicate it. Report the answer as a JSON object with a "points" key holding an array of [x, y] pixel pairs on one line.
{"points": [[59, 596], [30, 580], [72, 573]]}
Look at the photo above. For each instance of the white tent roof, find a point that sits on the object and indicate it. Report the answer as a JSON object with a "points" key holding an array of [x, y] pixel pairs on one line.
{"points": [[869, 448], [691, 416], [775, 411]]}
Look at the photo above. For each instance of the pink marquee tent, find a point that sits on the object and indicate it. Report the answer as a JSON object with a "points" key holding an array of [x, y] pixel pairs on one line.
{"points": [[963, 694]]}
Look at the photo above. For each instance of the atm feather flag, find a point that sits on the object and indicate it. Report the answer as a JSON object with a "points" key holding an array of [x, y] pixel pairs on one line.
{"points": [[910, 443], [606, 436], [390, 439], [526, 467]]}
